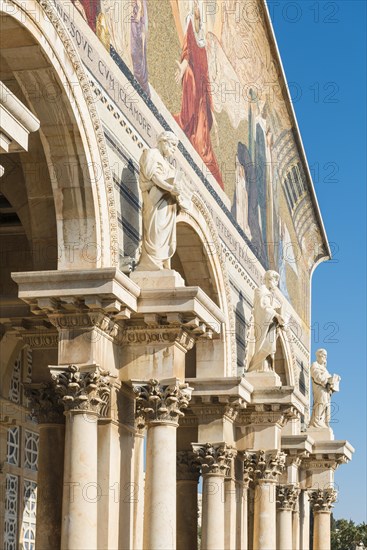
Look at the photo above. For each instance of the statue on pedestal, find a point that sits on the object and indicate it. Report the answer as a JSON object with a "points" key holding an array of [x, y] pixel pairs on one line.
{"points": [[323, 385], [267, 320], [163, 192]]}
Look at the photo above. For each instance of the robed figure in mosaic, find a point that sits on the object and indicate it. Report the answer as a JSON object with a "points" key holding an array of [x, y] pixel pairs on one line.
{"points": [[197, 110]]}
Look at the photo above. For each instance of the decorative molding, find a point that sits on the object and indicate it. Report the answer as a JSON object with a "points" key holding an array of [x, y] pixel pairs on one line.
{"points": [[322, 500], [188, 467], [269, 415], [267, 465], [71, 51], [44, 403], [161, 404], [82, 390], [88, 320], [158, 335], [215, 459], [41, 340], [287, 497]]}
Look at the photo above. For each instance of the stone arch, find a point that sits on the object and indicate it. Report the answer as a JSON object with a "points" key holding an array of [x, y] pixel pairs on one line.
{"points": [[285, 362], [213, 277], [76, 157]]}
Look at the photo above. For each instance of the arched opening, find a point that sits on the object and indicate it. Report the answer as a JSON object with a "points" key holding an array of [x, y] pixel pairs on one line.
{"points": [[199, 261], [192, 261], [65, 172]]}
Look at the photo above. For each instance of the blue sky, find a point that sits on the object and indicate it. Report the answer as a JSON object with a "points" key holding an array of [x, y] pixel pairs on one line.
{"points": [[322, 45]]}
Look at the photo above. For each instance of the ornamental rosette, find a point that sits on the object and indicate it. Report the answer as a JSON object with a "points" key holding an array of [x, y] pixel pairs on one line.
{"points": [[214, 458], [84, 390], [287, 497], [322, 500], [157, 403]]}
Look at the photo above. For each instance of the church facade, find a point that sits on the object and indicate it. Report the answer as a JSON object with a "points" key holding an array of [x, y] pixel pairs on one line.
{"points": [[159, 231]]}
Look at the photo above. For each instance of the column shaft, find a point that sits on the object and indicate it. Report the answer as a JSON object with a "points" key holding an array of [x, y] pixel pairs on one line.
{"points": [[295, 530], [213, 512], [80, 496], [187, 514], [321, 530], [160, 488], [304, 519], [50, 485], [284, 530], [265, 516], [244, 530]]}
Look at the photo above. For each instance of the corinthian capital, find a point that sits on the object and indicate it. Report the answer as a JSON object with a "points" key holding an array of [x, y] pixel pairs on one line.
{"points": [[188, 467], [267, 465], [287, 496], [322, 500], [214, 458], [157, 403], [44, 403], [81, 389]]}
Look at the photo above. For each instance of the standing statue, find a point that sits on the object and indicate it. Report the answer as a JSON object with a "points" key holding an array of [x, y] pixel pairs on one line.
{"points": [[163, 193], [323, 385], [264, 330]]}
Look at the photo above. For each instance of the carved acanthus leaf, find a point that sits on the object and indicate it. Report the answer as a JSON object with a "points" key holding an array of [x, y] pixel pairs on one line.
{"points": [[86, 390], [214, 458], [156, 402], [322, 500]]}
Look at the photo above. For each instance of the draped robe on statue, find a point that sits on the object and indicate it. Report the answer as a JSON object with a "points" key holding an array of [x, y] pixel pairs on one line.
{"points": [[263, 335], [196, 116], [321, 396], [159, 212]]}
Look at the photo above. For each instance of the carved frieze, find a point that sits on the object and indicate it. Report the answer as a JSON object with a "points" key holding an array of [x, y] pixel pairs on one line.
{"points": [[158, 335]]}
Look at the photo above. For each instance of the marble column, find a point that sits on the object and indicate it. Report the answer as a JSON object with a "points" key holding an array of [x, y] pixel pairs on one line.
{"points": [[269, 466], [188, 472], [215, 460], [159, 407], [322, 501], [296, 526], [49, 414], [304, 520], [287, 496], [83, 391], [249, 463]]}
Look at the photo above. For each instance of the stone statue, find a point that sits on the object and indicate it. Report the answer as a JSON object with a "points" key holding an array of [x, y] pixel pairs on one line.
{"points": [[267, 320], [323, 385], [163, 193]]}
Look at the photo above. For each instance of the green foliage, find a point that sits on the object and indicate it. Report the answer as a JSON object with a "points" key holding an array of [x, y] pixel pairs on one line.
{"points": [[346, 535]]}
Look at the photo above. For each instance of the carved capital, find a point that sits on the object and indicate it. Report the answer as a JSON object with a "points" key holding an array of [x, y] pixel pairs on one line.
{"points": [[44, 403], [322, 500], [287, 497], [268, 465], [85, 389], [159, 403], [214, 458], [249, 467], [188, 467]]}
